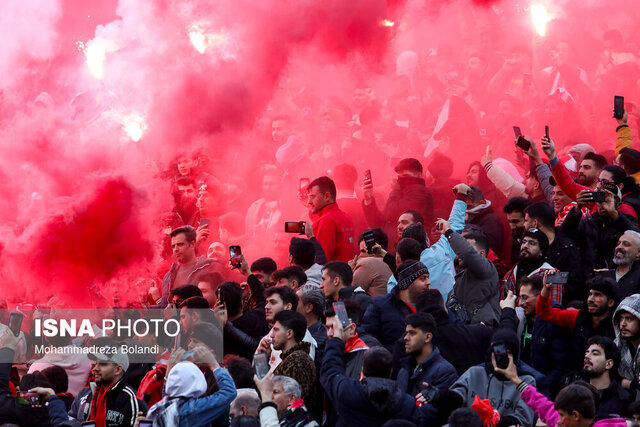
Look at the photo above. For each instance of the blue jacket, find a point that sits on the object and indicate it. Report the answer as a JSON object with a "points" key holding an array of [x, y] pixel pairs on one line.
{"points": [[439, 257], [549, 353], [202, 411], [384, 318], [370, 402]]}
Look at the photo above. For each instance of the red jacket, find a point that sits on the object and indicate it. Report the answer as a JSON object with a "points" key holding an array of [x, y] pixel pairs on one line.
{"points": [[334, 230]]}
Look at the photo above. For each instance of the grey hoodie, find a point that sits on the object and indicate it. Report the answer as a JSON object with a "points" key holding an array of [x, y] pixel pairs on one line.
{"points": [[629, 361]]}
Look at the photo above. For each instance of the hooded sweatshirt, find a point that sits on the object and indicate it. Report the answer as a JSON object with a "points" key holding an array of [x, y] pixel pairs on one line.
{"points": [[629, 361]]}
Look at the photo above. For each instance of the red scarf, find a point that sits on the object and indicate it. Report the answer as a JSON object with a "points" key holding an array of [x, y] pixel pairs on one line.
{"points": [[99, 407], [354, 343]]}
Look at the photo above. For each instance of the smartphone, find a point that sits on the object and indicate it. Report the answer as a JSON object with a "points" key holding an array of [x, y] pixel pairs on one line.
{"points": [[367, 174], [188, 355], [341, 312], [205, 221], [597, 196], [369, 240], [294, 227], [559, 277], [93, 423], [429, 393], [261, 365], [235, 254], [145, 423], [31, 399], [523, 143], [618, 107], [546, 131], [517, 132], [502, 358], [15, 323]]}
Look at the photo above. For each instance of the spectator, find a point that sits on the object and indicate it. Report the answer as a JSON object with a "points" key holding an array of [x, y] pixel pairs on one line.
{"points": [[337, 278], [594, 319], [626, 322], [311, 305], [282, 403], [178, 295], [185, 386], [208, 283], [370, 401], [384, 319], [532, 262], [477, 177], [424, 363], [187, 266], [480, 212], [544, 346], [194, 310], [247, 403], [292, 277], [264, 216], [464, 417], [345, 176], [186, 197], [561, 253], [411, 193], [407, 218], [263, 269], [302, 254], [287, 336], [333, 228], [515, 217], [57, 377], [627, 262], [370, 272], [475, 294]]}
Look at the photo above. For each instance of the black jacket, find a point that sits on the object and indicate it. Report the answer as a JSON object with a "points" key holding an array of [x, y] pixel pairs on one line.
{"points": [[384, 319], [491, 226], [629, 284], [122, 405], [565, 256], [582, 331], [476, 339], [596, 236], [370, 402]]}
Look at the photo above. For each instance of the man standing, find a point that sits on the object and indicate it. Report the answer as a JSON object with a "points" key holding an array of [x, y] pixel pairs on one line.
{"points": [[302, 253], [264, 216], [515, 217], [337, 277], [332, 227], [532, 262], [627, 261], [282, 403], [311, 305], [384, 319], [187, 266], [626, 322]]}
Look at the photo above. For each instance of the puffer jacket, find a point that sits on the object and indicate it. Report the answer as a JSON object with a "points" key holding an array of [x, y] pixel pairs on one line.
{"points": [[630, 359], [384, 319]]}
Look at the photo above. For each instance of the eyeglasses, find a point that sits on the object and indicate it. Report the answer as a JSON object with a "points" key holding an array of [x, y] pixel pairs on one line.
{"points": [[603, 181]]}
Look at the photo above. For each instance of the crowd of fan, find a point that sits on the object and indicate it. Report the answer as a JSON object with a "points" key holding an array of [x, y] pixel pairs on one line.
{"points": [[501, 300]]}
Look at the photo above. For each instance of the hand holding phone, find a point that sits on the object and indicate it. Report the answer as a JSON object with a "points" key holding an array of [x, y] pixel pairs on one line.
{"points": [[294, 227], [341, 313], [235, 256], [618, 107], [261, 365], [501, 355], [369, 241], [15, 323], [558, 278]]}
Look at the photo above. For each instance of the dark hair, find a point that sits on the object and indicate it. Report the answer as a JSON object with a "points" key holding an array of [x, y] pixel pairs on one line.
{"points": [[340, 269], [345, 176], [293, 272], [417, 216], [294, 321], [630, 160], [325, 185], [480, 239], [189, 233], [186, 291], [429, 298], [240, 370], [408, 249], [377, 362], [619, 176], [303, 252], [33, 380], [634, 408], [315, 297], [265, 264], [185, 181], [286, 295], [576, 397], [611, 351], [232, 297], [534, 281], [57, 377], [211, 277], [417, 232], [209, 334], [379, 235], [423, 321], [542, 213], [516, 204], [604, 285], [598, 159], [195, 302], [464, 417], [245, 421], [398, 423]]}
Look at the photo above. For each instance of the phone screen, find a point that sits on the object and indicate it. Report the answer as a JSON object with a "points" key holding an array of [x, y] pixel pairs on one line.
{"points": [[517, 132], [235, 254], [205, 221], [369, 241], [341, 312], [618, 107], [15, 323], [294, 227], [523, 143], [546, 131], [261, 365], [502, 358]]}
